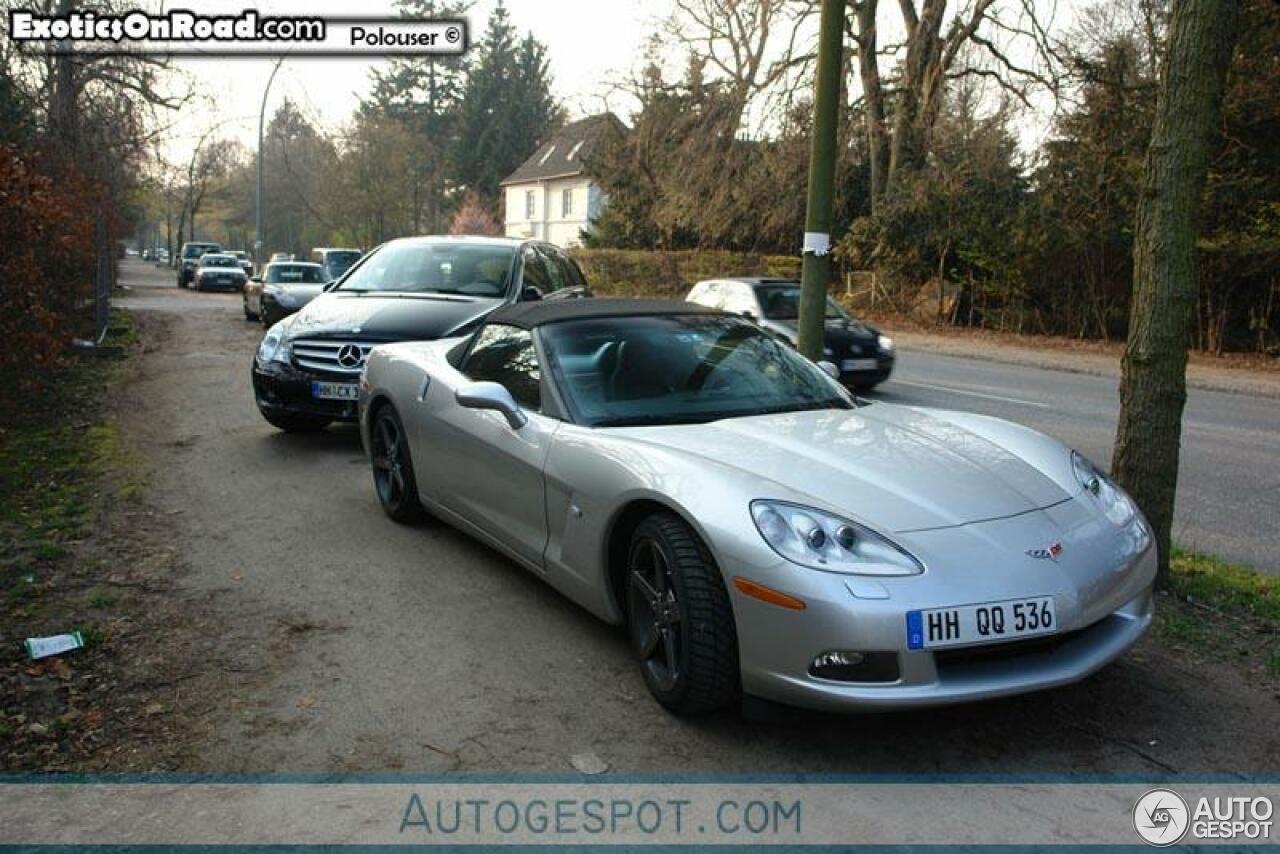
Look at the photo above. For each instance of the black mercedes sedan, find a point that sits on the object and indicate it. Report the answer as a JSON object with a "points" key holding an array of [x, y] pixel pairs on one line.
{"points": [[307, 369], [865, 357]]}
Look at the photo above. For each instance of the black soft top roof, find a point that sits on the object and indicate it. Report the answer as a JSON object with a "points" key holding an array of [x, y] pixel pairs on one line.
{"points": [[527, 315]]}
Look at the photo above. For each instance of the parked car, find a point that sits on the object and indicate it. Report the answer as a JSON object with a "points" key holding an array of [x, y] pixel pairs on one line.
{"points": [[219, 271], [283, 288], [246, 263], [148, 255], [864, 356], [189, 259], [757, 528], [335, 261], [306, 371], [162, 256]]}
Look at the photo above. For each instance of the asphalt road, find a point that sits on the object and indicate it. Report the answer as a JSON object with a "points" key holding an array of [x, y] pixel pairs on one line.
{"points": [[416, 648]]}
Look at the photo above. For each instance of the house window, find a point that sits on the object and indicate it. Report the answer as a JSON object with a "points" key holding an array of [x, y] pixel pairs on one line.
{"points": [[566, 204], [528, 204], [573, 152]]}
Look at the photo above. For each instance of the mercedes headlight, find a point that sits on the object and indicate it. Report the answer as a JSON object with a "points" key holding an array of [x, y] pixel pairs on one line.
{"points": [[821, 540], [1113, 500], [274, 348], [885, 343]]}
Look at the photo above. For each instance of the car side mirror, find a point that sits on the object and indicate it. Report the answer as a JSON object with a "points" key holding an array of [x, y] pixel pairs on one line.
{"points": [[489, 395], [530, 293], [830, 369]]}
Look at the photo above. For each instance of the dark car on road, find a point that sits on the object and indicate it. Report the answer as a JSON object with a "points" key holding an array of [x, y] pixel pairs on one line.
{"points": [[218, 271], [283, 288], [246, 263], [307, 369], [335, 261], [189, 259], [863, 356]]}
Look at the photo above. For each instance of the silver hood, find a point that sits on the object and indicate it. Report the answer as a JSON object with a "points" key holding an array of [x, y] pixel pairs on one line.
{"points": [[905, 469]]}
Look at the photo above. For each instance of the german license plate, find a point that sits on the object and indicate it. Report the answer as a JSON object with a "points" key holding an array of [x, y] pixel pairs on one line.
{"points": [[335, 391], [858, 365], [988, 622]]}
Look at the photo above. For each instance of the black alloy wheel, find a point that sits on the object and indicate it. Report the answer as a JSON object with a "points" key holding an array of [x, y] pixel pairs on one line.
{"points": [[393, 477], [679, 618]]}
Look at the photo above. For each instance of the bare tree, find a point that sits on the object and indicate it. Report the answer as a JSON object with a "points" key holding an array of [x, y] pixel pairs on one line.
{"points": [[900, 117], [749, 46]]}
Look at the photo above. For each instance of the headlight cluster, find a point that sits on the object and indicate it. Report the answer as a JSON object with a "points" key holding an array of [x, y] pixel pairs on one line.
{"points": [[885, 342], [1113, 500], [821, 540], [274, 348]]}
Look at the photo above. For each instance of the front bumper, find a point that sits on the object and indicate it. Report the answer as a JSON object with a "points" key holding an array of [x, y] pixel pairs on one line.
{"points": [[1099, 620], [868, 378], [235, 285], [286, 390]]}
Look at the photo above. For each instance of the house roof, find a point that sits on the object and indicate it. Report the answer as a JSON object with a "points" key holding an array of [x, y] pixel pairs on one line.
{"points": [[561, 156]]}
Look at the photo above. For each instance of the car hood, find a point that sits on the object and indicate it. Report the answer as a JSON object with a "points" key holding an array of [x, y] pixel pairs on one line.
{"points": [[388, 317], [895, 468]]}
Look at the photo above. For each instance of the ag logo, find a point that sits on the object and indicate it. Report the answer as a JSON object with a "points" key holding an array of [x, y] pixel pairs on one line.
{"points": [[1161, 817]]}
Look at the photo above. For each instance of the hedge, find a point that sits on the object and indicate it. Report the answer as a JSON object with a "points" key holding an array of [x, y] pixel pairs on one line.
{"points": [[669, 275]]}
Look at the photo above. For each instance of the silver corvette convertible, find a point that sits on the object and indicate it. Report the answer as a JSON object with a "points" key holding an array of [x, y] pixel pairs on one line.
{"points": [[760, 531]]}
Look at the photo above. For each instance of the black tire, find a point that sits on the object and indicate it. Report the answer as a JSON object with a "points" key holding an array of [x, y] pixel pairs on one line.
{"points": [[295, 423], [393, 478], [679, 619]]}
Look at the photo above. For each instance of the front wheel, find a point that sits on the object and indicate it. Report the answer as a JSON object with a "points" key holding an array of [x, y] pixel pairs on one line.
{"points": [[679, 618], [393, 477]]}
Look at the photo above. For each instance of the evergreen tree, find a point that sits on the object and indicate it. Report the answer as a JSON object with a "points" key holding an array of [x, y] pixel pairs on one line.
{"points": [[423, 95], [507, 107]]}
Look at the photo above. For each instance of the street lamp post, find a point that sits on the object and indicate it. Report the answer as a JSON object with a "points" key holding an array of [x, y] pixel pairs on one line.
{"points": [[259, 238]]}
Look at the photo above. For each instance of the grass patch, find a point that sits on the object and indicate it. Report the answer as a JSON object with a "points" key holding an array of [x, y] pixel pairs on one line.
{"points": [[1184, 628], [102, 599], [1226, 586]]}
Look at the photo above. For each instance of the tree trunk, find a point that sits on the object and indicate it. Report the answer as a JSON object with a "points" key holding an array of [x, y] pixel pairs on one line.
{"points": [[873, 99], [1153, 384]]}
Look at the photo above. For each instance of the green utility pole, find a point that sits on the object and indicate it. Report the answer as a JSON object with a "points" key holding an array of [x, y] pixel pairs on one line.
{"points": [[816, 270]]}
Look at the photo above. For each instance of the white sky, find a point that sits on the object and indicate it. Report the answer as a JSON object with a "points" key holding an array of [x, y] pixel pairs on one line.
{"points": [[590, 43]]}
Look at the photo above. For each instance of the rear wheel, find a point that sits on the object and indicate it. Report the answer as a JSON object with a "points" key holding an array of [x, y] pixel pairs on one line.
{"points": [[393, 477], [290, 423], [679, 618]]}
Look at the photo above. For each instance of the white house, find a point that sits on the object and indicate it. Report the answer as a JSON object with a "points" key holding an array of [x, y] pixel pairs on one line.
{"points": [[551, 197]]}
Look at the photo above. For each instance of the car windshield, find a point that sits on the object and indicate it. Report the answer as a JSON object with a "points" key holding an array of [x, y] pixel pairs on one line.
{"points": [[296, 274], [195, 250], [446, 267], [782, 302], [337, 263], [680, 369], [218, 261]]}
